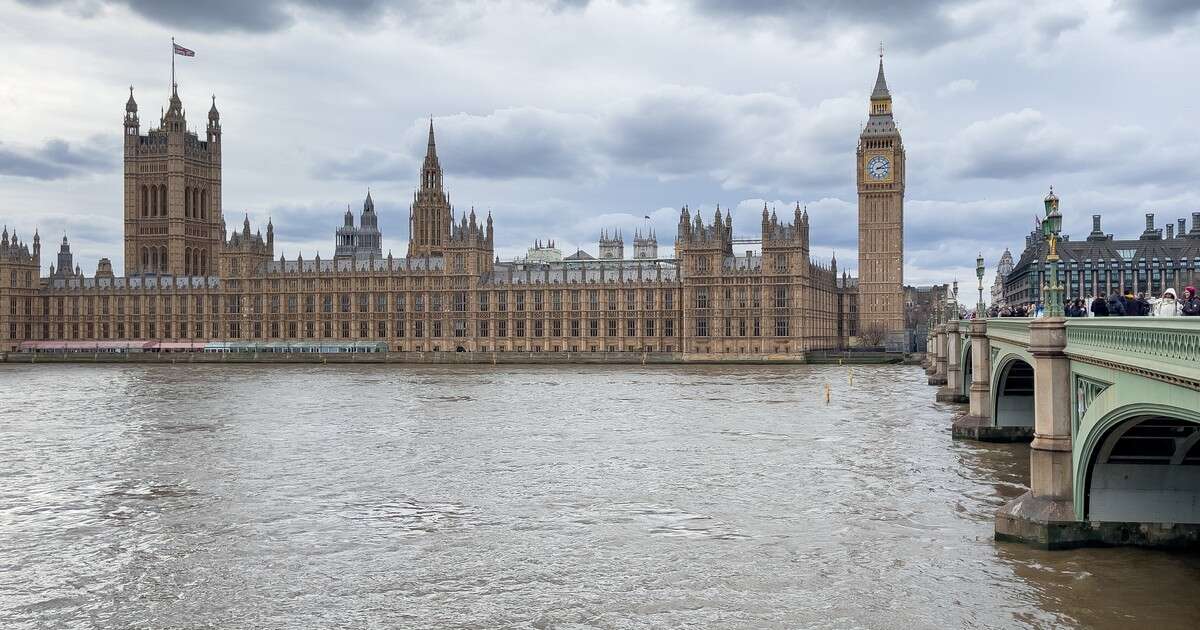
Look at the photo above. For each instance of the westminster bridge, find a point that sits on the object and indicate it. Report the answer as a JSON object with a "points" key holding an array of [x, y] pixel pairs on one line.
{"points": [[1111, 407]]}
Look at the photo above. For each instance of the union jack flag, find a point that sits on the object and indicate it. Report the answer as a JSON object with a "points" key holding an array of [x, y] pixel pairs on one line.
{"points": [[186, 52]]}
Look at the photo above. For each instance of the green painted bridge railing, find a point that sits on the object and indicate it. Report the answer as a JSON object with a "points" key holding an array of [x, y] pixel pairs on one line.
{"points": [[1012, 329], [1168, 347]]}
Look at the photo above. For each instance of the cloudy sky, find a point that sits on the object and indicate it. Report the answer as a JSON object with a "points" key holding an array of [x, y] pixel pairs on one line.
{"points": [[564, 117]]}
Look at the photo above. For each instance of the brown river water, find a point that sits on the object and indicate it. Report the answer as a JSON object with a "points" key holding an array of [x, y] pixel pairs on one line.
{"points": [[527, 497]]}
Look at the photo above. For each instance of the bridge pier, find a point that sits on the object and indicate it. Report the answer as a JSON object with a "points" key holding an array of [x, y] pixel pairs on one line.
{"points": [[931, 352], [1045, 515], [939, 373], [952, 390]]}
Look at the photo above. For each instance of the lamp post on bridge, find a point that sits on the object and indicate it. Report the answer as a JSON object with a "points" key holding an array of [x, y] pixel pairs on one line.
{"points": [[980, 309], [1046, 514], [1051, 227], [952, 303]]}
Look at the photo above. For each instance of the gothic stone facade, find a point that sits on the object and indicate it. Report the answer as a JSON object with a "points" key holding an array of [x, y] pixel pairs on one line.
{"points": [[185, 280]]}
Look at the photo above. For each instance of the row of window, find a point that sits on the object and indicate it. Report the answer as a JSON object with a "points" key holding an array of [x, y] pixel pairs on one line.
{"points": [[363, 329], [745, 299], [152, 200], [630, 327], [458, 301]]}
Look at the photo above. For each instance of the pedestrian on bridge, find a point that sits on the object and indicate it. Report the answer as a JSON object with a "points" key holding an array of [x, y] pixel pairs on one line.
{"points": [[1116, 305], [1167, 305], [1190, 305], [1099, 307], [1143, 305]]}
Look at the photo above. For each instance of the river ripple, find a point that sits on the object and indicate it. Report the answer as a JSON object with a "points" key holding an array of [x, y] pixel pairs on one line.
{"points": [[529, 497]]}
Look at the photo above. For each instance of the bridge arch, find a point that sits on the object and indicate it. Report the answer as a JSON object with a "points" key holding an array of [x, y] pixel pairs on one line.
{"points": [[1012, 386], [1141, 463]]}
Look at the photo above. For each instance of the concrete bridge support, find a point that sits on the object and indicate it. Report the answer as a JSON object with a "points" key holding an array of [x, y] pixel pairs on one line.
{"points": [[928, 353], [939, 374], [952, 390], [976, 424], [1045, 516], [931, 352]]}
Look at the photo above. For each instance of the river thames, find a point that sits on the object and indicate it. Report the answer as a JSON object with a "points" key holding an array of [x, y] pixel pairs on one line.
{"points": [[533, 497]]}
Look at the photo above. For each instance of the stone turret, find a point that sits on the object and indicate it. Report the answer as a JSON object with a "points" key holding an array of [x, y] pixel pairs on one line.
{"points": [[104, 269], [243, 252], [645, 246], [66, 261], [612, 245], [363, 241]]}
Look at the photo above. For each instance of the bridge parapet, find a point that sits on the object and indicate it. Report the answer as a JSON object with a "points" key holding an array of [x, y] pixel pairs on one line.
{"points": [[1011, 329], [1159, 348]]}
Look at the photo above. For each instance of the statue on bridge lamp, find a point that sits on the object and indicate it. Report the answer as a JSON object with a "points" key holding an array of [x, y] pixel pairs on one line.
{"points": [[1051, 227]]}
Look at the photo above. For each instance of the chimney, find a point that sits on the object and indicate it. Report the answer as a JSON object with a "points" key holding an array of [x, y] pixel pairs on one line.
{"points": [[1182, 228], [1170, 231], [1097, 234], [1151, 234]]}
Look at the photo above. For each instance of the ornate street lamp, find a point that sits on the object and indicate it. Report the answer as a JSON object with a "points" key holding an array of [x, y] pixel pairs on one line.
{"points": [[952, 303], [980, 309], [1051, 227]]}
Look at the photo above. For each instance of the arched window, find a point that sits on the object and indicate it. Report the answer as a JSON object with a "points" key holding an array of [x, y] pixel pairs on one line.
{"points": [[195, 202], [145, 259], [162, 259], [154, 201], [154, 259], [162, 201], [204, 262], [145, 201], [204, 204], [187, 202], [187, 261]]}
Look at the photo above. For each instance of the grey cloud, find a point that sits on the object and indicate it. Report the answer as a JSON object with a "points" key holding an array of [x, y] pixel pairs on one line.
{"points": [[673, 132], [1027, 143], [220, 15], [521, 143], [754, 143], [260, 16], [907, 24], [57, 159], [514, 144], [367, 165], [1159, 15]]}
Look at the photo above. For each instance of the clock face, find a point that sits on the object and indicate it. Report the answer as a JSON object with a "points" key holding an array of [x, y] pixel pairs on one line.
{"points": [[878, 167]]}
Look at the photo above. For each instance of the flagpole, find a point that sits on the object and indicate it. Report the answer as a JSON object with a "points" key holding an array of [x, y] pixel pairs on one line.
{"points": [[172, 63]]}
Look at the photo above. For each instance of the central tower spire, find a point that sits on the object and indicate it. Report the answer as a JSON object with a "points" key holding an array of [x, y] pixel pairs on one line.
{"points": [[431, 171], [881, 98], [430, 214]]}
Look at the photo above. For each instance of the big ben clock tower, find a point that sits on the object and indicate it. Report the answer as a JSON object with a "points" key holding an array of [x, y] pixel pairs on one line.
{"points": [[880, 166]]}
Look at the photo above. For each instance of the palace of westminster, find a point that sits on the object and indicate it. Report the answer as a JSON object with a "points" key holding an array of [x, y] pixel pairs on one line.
{"points": [[187, 279]]}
